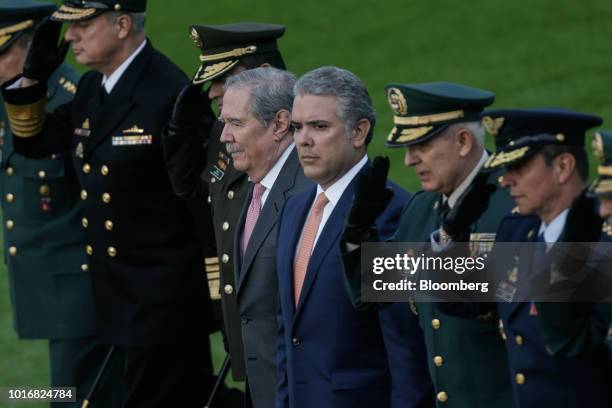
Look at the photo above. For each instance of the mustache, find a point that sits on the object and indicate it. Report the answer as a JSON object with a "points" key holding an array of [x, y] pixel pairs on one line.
{"points": [[232, 148]]}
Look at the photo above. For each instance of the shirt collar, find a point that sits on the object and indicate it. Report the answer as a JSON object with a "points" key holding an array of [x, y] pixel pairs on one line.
{"points": [[452, 199], [110, 81], [553, 231], [272, 175], [335, 191]]}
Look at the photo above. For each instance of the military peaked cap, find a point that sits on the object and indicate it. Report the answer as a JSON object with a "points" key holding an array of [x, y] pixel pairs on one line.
{"points": [[422, 111], [18, 17], [223, 46], [77, 10], [520, 133]]}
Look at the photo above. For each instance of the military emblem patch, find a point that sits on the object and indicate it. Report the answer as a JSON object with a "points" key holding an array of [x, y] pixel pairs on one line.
{"points": [[397, 101]]}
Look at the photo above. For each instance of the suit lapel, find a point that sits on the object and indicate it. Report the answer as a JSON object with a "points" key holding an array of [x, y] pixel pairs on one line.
{"points": [[238, 261], [268, 216], [119, 103], [525, 266]]}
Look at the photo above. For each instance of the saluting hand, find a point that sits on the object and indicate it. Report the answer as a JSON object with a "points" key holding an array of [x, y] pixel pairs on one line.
{"points": [[469, 207], [47, 52], [583, 223], [190, 106], [371, 198]]}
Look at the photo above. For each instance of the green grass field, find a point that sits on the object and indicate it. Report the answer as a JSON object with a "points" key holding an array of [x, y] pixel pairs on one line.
{"points": [[536, 53]]}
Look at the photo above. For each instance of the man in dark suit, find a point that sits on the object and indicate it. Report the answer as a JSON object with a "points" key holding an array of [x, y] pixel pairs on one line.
{"points": [[556, 357], [329, 354], [258, 135], [200, 168], [51, 294], [143, 252]]}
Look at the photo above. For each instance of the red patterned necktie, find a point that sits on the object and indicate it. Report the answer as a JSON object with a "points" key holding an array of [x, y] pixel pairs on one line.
{"points": [[311, 227], [252, 215]]}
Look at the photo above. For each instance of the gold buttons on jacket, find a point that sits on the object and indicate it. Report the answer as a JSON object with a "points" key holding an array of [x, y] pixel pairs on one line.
{"points": [[438, 361], [10, 197], [209, 199], [42, 174], [225, 258], [89, 250], [225, 226], [44, 190], [106, 198], [13, 251], [435, 323], [10, 171], [111, 251], [83, 195], [230, 194], [108, 224], [10, 224], [104, 170], [85, 222], [519, 340], [84, 267], [520, 378], [502, 332], [228, 289], [442, 396], [86, 168]]}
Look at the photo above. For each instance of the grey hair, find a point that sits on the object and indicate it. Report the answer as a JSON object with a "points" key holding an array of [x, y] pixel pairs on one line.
{"points": [[139, 20], [354, 102], [271, 91], [475, 128]]}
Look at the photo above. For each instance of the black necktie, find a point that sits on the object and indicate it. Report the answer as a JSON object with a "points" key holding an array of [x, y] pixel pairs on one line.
{"points": [[103, 95]]}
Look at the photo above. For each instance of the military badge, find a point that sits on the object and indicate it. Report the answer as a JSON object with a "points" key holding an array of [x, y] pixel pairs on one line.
{"points": [[492, 125], [598, 148], [397, 101], [217, 173], [195, 37]]}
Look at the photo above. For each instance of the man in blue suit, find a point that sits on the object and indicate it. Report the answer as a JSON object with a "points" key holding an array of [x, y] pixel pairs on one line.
{"points": [[546, 172], [329, 354]]}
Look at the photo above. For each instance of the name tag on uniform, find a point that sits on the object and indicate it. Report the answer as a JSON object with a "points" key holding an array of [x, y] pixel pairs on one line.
{"points": [[217, 173]]}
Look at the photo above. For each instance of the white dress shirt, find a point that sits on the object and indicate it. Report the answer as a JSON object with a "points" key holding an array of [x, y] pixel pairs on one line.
{"points": [[110, 81]]}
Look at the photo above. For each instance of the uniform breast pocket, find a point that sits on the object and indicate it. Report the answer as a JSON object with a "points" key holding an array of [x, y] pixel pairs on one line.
{"points": [[47, 189]]}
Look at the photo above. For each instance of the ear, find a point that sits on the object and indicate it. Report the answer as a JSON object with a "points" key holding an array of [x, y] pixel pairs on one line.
{"points": [[360, 133], [281, 124], [564, 167], [124, 24], [466, 141]]}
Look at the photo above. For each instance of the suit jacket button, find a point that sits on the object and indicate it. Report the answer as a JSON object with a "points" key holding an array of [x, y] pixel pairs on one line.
{"points": [[85, 222], [225, 258], [228, 289], [225, 226], [438, 361], [112, 252], [520, 378], [83, 195], [442, 396], [106, 198], [435, 323], [89, 250], [108, 224], [44, 190], [209, 199], [104, 170], [295, 341], [230, 194], [84, 267], [86, 168], [42, 174], [10, 197], [10, 171], [13, 251], [10, 224], [519, 340]]}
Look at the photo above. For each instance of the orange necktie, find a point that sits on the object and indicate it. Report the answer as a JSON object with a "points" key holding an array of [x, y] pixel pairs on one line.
{"points": [[308, 237]]}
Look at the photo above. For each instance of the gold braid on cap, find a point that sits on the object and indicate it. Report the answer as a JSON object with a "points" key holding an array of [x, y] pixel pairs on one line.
{"points": [[238, 52]]}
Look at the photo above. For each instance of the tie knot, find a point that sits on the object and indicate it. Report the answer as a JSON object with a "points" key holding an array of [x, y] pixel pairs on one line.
{"points": [[320, 202], [258, 191]]}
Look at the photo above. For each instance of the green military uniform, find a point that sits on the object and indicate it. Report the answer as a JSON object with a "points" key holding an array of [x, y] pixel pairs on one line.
{"points": [[467, 361], [49, 283]]}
